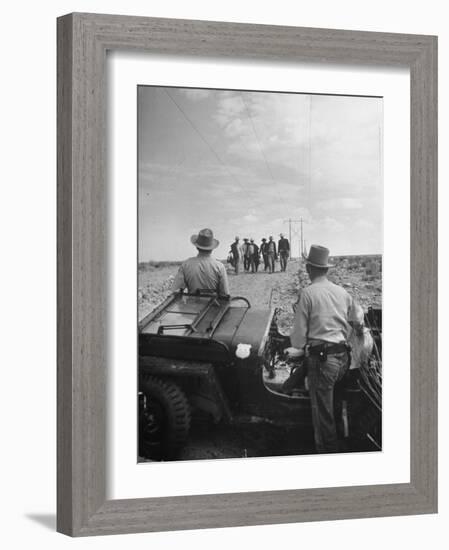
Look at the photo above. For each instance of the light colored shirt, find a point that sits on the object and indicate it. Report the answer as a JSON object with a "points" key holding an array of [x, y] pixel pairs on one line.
{"points": [[323, 313], [202, 272], [271, 247]]}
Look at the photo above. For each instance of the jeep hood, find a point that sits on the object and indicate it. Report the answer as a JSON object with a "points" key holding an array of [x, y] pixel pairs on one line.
{"points": [[241, 328]]}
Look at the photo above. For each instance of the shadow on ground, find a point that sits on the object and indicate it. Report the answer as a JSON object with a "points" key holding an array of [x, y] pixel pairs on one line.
{"points": [[46, 520]]}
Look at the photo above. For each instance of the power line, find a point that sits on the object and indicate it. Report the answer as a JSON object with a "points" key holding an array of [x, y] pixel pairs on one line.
{"points": [[257, 138], [260, 148], [216, 155], [309, 167], [302, 246]]}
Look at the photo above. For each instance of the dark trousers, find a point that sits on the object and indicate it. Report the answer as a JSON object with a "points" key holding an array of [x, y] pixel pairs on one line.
{"points": [[246, 263], [252, 264], [323, 375], [237, 264], [265, 261], [283, 257], [256, 261]]}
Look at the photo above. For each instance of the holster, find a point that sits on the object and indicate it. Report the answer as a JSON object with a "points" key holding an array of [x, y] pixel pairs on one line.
{"points": [[323, 350]]}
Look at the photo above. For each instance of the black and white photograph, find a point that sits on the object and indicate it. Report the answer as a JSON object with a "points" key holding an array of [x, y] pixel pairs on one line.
{"points": [[260, 240], [216, 211]]}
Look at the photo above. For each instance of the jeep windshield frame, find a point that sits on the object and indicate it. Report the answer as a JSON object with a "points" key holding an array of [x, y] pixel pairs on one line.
{"points": [[189, 314]]}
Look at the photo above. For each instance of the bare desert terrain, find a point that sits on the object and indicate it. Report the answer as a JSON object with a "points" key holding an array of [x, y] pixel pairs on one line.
{"points": [[360, 275]]}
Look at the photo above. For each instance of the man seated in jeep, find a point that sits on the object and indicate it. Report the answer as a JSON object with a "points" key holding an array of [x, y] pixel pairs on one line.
{"points": [[202, 272]]}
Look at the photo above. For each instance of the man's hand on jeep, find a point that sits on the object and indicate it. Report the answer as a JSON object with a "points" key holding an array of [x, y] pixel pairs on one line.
{"points": [[293, 352]]}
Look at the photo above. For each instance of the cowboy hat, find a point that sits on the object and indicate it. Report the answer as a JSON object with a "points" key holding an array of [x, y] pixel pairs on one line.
{"points": [[204, 240], [318, 256]]}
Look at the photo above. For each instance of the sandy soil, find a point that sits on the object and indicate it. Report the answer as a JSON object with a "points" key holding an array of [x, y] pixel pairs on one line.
{"points": [[263, 290]]}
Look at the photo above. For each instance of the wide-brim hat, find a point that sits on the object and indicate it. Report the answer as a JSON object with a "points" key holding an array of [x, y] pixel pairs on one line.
{"points": [[318, 256], [204, 240]]}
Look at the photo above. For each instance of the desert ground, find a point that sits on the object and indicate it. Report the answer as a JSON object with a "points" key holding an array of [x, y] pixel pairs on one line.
{"points": [[360, 275]]}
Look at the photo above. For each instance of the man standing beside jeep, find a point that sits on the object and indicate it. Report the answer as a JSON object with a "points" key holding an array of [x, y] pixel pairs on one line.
{"points": [[202, 272], [320, 333]]}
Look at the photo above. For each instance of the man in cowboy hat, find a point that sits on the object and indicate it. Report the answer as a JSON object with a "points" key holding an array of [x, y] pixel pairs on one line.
{"points": [[283, 251], [271, 254], [320, 332], [246, 254], [202, 272], [254, 256], [264, 252]]}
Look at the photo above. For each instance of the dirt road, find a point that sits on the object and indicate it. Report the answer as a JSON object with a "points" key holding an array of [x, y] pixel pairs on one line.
{"points": [[263, 289]]}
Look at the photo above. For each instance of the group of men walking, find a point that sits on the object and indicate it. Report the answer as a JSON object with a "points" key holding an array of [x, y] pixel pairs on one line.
{"points": [[248, 254]]}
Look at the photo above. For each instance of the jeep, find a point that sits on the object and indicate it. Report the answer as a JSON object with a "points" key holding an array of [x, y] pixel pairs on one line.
{"points": [[217, 354]]}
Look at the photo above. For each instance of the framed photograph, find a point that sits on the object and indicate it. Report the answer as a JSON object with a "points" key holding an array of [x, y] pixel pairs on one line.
{"points": [[261, 163], [243, 212]]}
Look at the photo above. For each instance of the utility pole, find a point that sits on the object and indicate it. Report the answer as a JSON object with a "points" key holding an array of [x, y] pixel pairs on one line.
{"points": [[301, 239], [290, 231]]}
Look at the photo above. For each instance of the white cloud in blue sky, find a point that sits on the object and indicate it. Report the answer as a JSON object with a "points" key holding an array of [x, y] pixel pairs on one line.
{"points": [[244, 162]]}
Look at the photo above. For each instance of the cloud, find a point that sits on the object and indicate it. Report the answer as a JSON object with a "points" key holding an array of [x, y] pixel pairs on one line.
{"points": [[251, 217], [229, 106], [235, 128], [342, 203], [331, 225], [364, 224], [258, 159], [197, 94]]}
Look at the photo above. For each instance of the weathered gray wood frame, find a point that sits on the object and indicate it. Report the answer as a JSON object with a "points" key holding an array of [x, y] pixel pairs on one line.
{"points": [[83, 40]]}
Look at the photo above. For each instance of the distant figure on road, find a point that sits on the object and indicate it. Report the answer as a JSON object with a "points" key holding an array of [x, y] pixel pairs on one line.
{"points": [[256, 255], [236, 254], [271, 254], [202, 272], [264, 252], [246, 254], [253, 251], [284, 251]]}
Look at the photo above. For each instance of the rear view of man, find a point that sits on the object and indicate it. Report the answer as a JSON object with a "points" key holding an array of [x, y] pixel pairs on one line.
{"points": [[246, 254], [202, 272], [264, 252], [320, 332]]}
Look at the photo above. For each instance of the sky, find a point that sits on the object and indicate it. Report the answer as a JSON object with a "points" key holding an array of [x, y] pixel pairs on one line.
{"points": [[243, 163]]}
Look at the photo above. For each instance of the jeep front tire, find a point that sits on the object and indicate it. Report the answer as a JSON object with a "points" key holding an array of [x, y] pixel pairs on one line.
{"points": [[164, 418]]}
